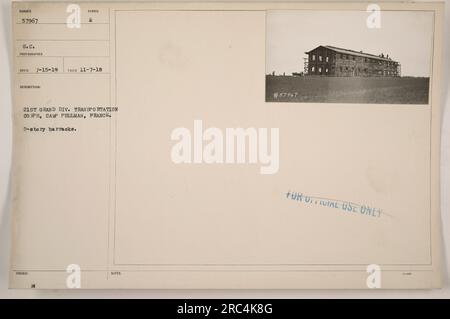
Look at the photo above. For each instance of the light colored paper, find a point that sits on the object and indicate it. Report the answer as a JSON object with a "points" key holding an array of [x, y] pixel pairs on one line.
{"points": [[102, 192]]}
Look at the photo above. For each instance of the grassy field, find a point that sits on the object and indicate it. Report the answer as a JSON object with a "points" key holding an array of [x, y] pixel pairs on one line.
{"points": [[401, 90]]}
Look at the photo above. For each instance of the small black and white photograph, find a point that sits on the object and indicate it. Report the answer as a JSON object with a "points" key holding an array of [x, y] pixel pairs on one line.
{"points": [[373, 57]]}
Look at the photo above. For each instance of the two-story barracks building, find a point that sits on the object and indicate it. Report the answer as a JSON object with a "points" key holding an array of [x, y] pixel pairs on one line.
{"points": [[332, 61]]}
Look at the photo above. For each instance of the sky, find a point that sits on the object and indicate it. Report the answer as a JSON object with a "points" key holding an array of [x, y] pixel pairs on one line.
{"points": [[407, 37]]}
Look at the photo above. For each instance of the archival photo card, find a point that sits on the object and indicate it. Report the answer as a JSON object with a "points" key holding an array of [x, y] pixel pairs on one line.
{"points": [[372, 56], [145, 155]]}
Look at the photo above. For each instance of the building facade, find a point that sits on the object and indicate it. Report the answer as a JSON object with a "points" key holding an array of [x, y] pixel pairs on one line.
{"points": [[332, 61]]}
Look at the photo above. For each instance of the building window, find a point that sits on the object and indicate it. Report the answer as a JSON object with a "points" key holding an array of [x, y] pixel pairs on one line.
{"points": [[320, 58], [314, 57], [320, 70], [326, 70], [313, 69], [346, 68], [326, 59], [353, 58]]}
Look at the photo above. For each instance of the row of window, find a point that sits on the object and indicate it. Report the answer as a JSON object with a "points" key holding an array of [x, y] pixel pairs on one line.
{"points": [[319, 69], [350, 57], [365, 70], [345, 56], [313, 57], [365, 59], [313, 69], [351, 69]]}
